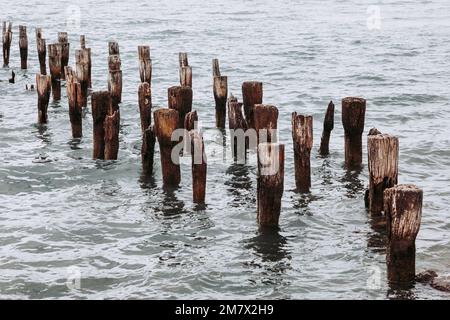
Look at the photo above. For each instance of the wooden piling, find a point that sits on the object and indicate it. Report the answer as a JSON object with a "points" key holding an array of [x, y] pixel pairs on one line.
{"points": [[23, 47], [145, 64], [199, 167], [113, 48], [353, 116], [252, 93], [114, 75], [270, 183], [166, 121], [82, 58], [302, 137], [148, 150], [189, 124], [145, 105], [73, 88], [112, 126], [265, 119], [7, 38], [236, 121], [83, 47], [63, 40], [185, 70], [43, 87], [215, 68], [328, 126], [101, 102], [180, 99], [220, 96], [403, 209], [383, 152], [54, 63], [42, 51]]}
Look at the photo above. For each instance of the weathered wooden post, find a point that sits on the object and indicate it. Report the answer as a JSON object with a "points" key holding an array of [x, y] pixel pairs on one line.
{"points": [[82, 58], [270, 183], [302, 137], [145, 64], [252, 93], [145, 105], [237, 125], [43, 87], [112, 126], [265, 122], [353, 116], [180, 99], [215, 68], [382, 150], [82, 41], [148, 150], [42, 51], [63, 40], [23, 47], [115, 74], [328, 126], [101, 103], [73, 88], [220, 97], [7, 38], [166, 121], [185, 70], [54, 63], [83, 47], [199, 167], [403, 209]]}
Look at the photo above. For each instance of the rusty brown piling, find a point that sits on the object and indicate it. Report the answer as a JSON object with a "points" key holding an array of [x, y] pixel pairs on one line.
{"points": [[42, 51], [383, 152], [302, 137], [112, 126], [270, 183], [265, 122], [43, 87], [166, 121], [185, 70], [220, 90], [82, 58], [199, 167], [252, 93], [353, 117], [73, 88], [328, 126], [115, 74], [54, 63], [23, 47], [101, 103], [145, 64], [148, 150], [238, 127], [180, 99], [83, 47], [63, 40], [403, 209], [7, 38], [145, 105]]}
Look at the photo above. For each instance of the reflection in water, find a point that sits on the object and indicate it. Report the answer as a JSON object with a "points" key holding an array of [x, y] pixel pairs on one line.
{"points": [[325, 173], [269, 244], [239, 184], [43, 133], [147, 181], [74, 143], [170, 204], [352, 183], [377, 238], [301, 202]]}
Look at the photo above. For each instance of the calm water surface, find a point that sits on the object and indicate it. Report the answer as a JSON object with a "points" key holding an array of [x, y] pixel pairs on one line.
{"points": [[63, 214]]}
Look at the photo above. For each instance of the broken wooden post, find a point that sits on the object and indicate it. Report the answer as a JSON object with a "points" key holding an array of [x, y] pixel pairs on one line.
{"points": [[180, 99], [148, 150], [43, 87], [145, 64], [54, 63], [101, 102], [328, 126], [252, 93], [265, 119], [215, 68], [83, 47], [237, 126], [382, 150], [63, 40], [270, 183], [403, 209], [166, 122], [82, 57], [7, 38], [145, 105], [190, 123], [23, 47], [199, 167], [114, 75], [302, 137], [185, 70], [42, 51], [112, 126], [73, 88], [220, 97], [353, 116]]}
